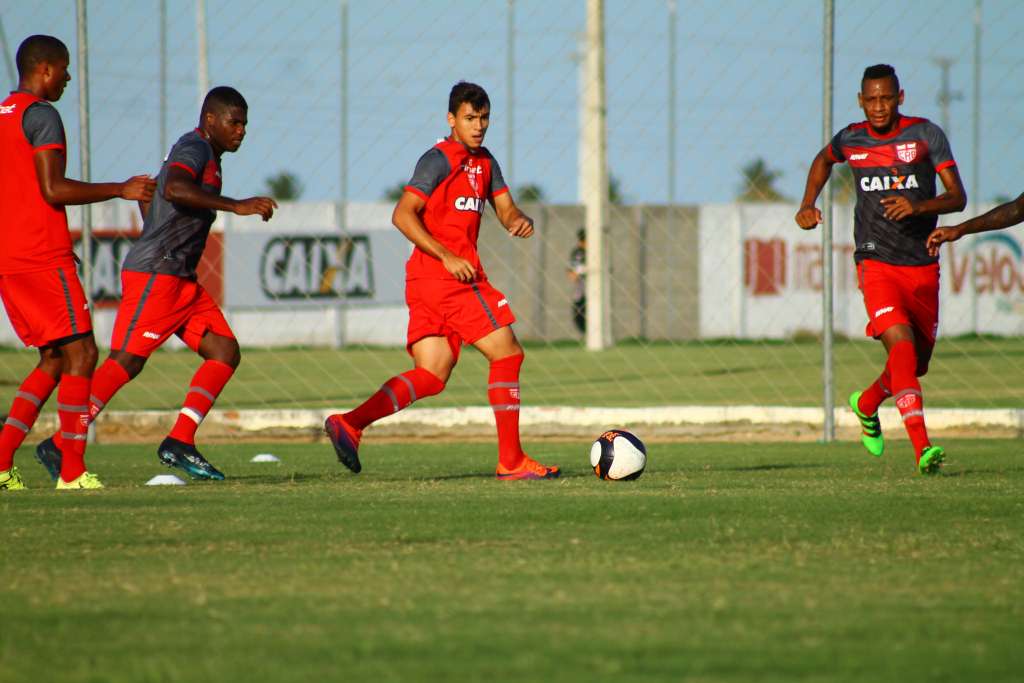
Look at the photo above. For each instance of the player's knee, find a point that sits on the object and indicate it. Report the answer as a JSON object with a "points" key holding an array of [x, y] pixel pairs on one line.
{"points": [[922, 367], [50, 362], [81, 356], [131, 363], [231, 354]]}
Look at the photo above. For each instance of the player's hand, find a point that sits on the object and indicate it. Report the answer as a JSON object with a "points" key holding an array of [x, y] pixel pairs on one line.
{"points": [[898, 208], [138, 188], [940, 235], [520, 226], [262, 206], [460, 268], [808, 217]]}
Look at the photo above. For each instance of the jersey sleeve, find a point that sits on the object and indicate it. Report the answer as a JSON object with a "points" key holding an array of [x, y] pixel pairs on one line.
{"points": [[835, 147], [191, 155], [938, 147], [498, 185], [431, 170], [42, 127]]}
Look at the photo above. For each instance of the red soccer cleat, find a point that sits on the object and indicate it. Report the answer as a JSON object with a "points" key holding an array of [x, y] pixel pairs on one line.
{"points": [[528, 469], [345, 439]]}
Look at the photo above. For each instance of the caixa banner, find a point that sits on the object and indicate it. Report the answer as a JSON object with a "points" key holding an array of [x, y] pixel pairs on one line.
{"points": [[266, 268]]}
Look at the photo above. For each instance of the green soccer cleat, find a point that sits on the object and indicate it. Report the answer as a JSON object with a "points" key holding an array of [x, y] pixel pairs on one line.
{"points": [[186, 457], [10, 480], [871, 428], [87, 480], [931, 460]]}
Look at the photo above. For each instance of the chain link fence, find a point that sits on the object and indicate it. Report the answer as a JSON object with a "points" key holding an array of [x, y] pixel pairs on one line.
{"points": [[713, 115]]}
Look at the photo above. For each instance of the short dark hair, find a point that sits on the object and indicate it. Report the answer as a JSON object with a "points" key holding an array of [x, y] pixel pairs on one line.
{"points": [[463, 91], [221, 98], [39, 49], [880, 71]]}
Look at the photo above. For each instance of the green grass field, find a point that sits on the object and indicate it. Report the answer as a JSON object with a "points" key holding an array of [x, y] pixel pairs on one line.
{"points": [[725, 562], [969, 372]]}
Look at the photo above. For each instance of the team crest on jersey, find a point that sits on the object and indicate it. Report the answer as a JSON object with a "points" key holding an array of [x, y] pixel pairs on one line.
{"points": [[906, 152]]}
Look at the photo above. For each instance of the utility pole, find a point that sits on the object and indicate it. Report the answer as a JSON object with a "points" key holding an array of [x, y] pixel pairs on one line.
{"points": [[946, 96]]}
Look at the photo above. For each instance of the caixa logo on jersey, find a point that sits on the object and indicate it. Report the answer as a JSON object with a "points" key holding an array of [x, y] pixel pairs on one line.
{"points": [[317, 267], [889, 182], [469, 204]]}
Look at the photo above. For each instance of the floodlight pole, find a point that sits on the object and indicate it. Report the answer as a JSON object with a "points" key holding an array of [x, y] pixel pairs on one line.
{"points": [[827, 276], [84, 165], [204, 58], [510, 92], [594, 181]]}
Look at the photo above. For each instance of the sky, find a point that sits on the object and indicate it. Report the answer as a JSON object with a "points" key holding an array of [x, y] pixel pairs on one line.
{"points": [[748, 85]]}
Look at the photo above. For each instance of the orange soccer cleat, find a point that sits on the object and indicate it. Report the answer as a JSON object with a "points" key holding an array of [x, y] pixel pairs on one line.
{"points": [[345, 439], [528, 469]]}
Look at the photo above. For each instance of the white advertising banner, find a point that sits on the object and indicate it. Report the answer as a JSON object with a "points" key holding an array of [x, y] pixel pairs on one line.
{"points": [[761, 277]]}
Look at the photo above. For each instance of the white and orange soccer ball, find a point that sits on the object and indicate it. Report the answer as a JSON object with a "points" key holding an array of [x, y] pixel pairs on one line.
{"points": [[618, 455]]}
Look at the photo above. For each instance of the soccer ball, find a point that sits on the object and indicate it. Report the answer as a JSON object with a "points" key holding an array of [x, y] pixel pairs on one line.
{"points": [[618, 455]]}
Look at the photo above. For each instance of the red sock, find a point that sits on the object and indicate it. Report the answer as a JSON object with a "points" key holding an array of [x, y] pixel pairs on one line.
{"points": [[106, 382], [397, 393], [206, 386], [503, 394], [907, 391], [874, 395], [31, 396], [73, 412]]}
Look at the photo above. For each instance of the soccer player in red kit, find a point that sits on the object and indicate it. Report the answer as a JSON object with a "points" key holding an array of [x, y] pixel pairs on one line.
{"points": [[450, 300], [895, 160], [38, 281], [160, 295]]}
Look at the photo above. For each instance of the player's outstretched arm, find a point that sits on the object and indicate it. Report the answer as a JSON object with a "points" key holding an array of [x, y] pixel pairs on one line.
{"points": [[182, 189], [1003, 216], [809, 216], [517, 223], [952, 200], [406, 217], [59, 190]]}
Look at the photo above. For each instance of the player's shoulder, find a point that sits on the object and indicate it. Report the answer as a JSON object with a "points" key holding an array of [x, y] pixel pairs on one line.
{"points": [[193, 139], [42, 109], [486, 154]]}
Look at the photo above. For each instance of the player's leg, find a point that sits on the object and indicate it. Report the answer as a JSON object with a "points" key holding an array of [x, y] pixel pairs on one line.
{"points": [[506, 356], [79, 355], [28, 401], [433, 358], [208, 334]]}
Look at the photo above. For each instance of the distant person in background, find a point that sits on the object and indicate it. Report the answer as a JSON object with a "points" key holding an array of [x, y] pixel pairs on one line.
{"points": [[1003, 216], [578, 278], [450, 300], [38, 280], [895, 161], [160, 293]]}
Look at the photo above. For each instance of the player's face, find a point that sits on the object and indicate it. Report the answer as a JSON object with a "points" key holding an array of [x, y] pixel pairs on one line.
{"points": [[227, 127], [880, 99], [469, 125], [55, 79]]}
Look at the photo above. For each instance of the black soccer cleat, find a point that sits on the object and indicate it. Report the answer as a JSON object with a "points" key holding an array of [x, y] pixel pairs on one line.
{"points": [[50, 457], [174, 453]]}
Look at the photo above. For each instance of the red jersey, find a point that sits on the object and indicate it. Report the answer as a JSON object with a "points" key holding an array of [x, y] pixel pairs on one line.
{"points": [[33, 234], [456, 183]]}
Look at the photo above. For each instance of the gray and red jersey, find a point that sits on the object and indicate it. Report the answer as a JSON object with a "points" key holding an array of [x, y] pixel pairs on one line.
{"points": [[904, 162], [456, 183], [174, 236]]}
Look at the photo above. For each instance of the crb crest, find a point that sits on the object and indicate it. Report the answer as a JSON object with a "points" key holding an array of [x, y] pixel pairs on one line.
{"points": [[906, 152]]}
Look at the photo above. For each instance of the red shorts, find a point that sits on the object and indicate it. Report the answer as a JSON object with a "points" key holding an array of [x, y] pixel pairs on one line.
{"points": [[154, 306], [901, 295], [46, 306], [464, 313]]}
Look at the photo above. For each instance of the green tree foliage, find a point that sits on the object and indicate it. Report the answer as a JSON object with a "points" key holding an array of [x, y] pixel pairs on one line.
{"points": [[285, 186], [759, 183]]}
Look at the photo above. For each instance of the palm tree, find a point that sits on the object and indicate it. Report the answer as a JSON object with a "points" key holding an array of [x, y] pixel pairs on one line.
{"points": [[284, 186], [759, 183]]}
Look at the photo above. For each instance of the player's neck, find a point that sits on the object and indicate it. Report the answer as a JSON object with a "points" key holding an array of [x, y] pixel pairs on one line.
{"points": [[466, 147], [217, 151], [29, 88]]}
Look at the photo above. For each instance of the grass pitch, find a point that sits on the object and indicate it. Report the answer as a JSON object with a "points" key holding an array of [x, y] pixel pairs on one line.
{"points": [[724, 562]]}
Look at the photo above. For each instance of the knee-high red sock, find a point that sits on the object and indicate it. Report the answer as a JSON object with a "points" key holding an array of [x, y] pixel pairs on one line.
{"points": [[73, 412], [206, 386], [907, 391], [31, 396], [397, 393], [875, 394], [503, 394], [106, 382]]}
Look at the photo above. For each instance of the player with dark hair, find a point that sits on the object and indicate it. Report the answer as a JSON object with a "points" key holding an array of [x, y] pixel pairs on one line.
{"points": [[38, 281], [894, 159], [160, 293], [1003, 216], [450, 300]]}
